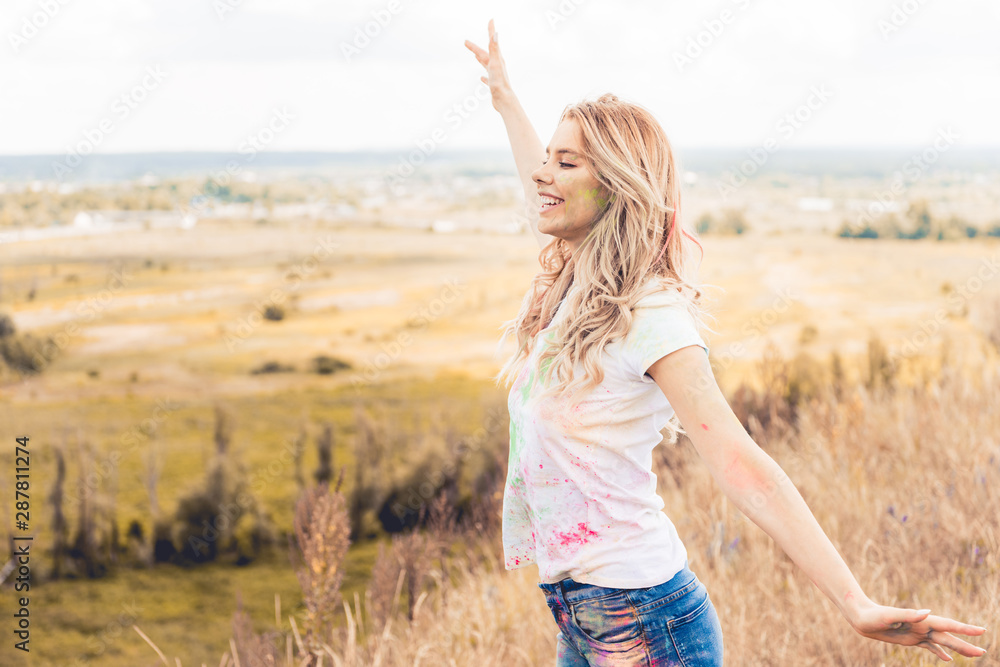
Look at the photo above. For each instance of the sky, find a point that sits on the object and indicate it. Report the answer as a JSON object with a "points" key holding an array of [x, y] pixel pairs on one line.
{"points": [[351, 75]]}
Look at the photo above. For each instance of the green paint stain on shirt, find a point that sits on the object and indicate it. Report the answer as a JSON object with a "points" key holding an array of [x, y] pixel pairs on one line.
{"points": [[526, 387], [544, 368], [516, 442]]}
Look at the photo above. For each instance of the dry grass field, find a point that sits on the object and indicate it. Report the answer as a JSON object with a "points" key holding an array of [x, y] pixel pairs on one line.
{"points": [[154, 317], [184, 290]]}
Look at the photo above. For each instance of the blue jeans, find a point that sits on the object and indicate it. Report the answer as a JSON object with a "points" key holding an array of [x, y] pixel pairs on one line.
{"points": [[674, 623]]}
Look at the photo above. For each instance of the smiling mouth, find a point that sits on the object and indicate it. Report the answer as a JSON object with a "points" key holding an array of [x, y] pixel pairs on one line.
{"points": [[550, 203]]}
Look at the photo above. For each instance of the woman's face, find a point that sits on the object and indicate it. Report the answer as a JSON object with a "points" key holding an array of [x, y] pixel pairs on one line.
{"points": [[571, 195]]}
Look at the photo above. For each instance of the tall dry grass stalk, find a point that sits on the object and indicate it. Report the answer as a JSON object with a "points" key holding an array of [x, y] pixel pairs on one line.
{"points": [[413, 549], [442, 526], [381, 593], [249, 648], [322, 532]]}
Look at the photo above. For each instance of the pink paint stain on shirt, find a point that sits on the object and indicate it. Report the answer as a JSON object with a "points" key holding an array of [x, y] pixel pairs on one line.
{"points": [[581, 535], [704, 426]]}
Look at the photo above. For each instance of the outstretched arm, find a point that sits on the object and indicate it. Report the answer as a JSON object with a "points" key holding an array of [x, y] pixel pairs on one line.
{"points": [[759, 487], [524, 142]]}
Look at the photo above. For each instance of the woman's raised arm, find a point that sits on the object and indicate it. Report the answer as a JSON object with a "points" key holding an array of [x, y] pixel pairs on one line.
{"points": [[524, 142]]}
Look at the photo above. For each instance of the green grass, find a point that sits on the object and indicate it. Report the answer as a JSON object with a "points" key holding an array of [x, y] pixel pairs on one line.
{"points": [[263, 424], [188, 612]]}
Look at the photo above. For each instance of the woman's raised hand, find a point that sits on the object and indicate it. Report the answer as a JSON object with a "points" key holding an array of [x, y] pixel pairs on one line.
{"points": [[918, 628], [496, 71]]}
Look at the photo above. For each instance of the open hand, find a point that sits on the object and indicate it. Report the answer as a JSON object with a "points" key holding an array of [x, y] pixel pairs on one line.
{"points": [[496, 71], [910, 627]]}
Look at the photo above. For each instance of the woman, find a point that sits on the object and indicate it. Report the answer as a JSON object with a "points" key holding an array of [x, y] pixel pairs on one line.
{"points": [[609, 350]]}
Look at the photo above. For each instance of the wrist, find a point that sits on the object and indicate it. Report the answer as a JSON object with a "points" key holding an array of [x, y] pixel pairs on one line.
{"points": [[854, 606], [505, 101]]}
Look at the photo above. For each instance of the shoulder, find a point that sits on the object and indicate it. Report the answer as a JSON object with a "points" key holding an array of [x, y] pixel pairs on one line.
{"points": [[663, 320], [657, 303], [660, 300], [661, 315], [660, 307], [656, 293]]}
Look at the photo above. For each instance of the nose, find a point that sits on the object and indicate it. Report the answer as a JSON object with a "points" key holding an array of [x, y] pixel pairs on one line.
{"points": [[541, 175]]}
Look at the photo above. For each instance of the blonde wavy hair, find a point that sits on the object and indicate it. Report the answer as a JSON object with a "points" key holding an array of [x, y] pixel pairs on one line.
{"points": [[635, 237]]}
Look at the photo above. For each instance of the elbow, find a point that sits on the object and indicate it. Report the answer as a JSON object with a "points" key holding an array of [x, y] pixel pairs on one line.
{"points": [[753, 482]]}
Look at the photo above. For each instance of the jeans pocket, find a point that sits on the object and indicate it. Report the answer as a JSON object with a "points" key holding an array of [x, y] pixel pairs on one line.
{"points": [[608, 623], [696, 631]]}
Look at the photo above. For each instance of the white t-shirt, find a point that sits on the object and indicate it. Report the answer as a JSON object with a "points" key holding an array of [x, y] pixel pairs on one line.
{"points": [[580, 498]]}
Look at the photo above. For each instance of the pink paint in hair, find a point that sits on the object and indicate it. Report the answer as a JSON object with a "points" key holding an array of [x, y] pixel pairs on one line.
{"points": [[670, 232]]}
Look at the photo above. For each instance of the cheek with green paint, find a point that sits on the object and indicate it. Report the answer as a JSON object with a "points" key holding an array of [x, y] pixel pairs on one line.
{"points": [[585, 199]]}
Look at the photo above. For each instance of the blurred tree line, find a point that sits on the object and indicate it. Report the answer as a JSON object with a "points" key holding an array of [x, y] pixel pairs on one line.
{"points": [[917, 222], [43, 205]]}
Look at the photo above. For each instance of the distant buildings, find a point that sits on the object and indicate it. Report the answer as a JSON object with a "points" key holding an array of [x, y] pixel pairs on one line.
{"points": [[319, 210], [821, 204], [86, 223], [117, 220]]}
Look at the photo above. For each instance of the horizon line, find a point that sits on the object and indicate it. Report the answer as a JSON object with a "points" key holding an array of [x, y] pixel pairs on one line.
{"points": [[463, 151]]}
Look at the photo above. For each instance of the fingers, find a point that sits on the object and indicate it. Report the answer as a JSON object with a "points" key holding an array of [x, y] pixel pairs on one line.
{"points": [[936, 650], [955, 644], [896, 618], [950, 625], [480, 54], [940, 629]]}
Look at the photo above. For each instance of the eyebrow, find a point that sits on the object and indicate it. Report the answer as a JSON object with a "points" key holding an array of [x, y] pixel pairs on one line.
{"points": [[560, 151]]}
